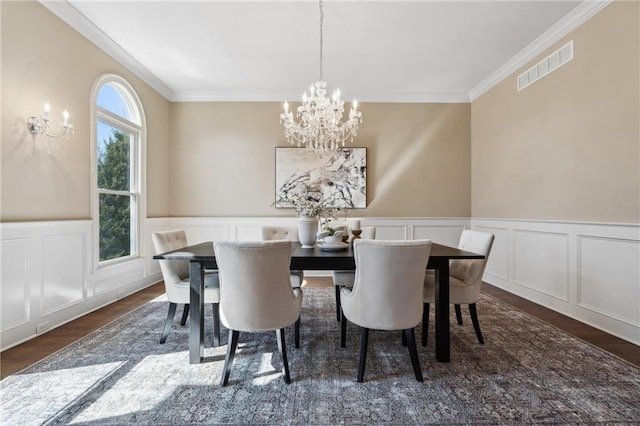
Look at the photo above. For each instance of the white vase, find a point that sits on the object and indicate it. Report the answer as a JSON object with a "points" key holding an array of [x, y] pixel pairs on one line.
{"points": [[307, 231]]}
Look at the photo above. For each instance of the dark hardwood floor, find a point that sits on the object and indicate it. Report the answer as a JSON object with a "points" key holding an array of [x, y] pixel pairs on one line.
{"points": [[21, 356], [615, 345]]}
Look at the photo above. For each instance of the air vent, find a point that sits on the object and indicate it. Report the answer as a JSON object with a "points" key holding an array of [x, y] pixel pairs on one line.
{"points": [[546, 66]]}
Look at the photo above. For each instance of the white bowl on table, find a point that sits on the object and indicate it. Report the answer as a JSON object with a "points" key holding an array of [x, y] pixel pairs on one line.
{"points": [[333, 239]]}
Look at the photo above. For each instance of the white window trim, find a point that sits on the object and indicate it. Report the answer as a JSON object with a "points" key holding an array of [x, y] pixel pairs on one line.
{"points": [[139, 159]]}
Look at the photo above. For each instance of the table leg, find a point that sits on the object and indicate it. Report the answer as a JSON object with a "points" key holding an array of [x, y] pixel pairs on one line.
{"points": [[196, 311], [442, 311]]}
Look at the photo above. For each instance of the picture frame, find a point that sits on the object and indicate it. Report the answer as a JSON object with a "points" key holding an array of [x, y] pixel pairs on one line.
{"points": [[339, 177]]}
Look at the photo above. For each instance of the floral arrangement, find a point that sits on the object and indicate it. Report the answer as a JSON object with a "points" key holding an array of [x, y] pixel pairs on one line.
{"points": [[311, 204]]}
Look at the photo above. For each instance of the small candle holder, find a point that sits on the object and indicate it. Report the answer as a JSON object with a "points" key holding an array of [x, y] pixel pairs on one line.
{"points": [[356, 234]]}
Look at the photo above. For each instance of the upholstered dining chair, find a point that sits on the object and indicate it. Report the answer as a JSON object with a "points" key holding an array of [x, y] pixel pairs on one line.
{"points": [[386, 292], [270, 233], [256, 294], [345, 278], [175, 274], [465, 279]]}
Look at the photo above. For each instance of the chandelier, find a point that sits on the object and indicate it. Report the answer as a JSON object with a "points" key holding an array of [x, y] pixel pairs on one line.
{"points": [[320, 127]]}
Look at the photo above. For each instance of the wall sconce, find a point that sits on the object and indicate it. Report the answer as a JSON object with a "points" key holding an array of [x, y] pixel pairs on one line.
{"points": [[50, 130]]}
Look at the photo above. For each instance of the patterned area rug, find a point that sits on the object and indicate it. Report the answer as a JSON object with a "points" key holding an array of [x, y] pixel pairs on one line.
{"points": [[527, 372]]}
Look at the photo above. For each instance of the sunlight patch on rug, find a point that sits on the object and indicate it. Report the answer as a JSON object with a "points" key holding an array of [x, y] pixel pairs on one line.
{"points": [[46, 394], [267, 372], [147, 385]]}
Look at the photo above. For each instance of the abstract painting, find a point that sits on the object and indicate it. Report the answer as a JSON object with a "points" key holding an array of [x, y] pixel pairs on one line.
{"points": [[339, 176]]}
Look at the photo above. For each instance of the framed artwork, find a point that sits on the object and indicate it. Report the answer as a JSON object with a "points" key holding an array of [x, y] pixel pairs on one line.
{"points": [[338, 176]]}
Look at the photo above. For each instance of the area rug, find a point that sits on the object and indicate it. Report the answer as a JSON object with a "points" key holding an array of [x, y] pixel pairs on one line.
{"points": [[526, 373]]}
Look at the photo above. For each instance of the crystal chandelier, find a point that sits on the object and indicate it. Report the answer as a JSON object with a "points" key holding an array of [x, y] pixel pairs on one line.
{"points": [[320, 127]]}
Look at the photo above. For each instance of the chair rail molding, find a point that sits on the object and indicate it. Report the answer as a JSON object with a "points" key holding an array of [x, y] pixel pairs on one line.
{"points": [[588, 271]]}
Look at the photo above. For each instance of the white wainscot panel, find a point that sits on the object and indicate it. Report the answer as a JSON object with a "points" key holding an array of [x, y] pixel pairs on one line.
{"points": [[16, 288], [154, 267], [117, 276], [63, 271], [541, 262], [201, 233], [389, 232], [498, 262], [442, 234], [249, 232], [609, 277]]}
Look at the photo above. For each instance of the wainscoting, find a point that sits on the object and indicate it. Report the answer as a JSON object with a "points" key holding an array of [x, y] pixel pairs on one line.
{"points": [[49, 277], [589, 272]]}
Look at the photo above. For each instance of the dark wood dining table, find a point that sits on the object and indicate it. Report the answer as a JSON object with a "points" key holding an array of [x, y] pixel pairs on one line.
{"points": [[201, 256]]}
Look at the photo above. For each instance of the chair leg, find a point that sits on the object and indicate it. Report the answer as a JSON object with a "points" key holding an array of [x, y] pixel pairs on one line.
{"points": [[364, 342], [343, 331], [458, 314], [228, 360], [296, 328], [338, 306], [425, 323], [168, 322], [283, 352], [404, 338], [413, 352], [185, 314], [474, 320], [216, 324]]}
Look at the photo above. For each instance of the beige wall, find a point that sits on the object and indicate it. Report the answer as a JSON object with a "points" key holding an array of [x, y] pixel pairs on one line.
{"points": [[43, 59], [203, 159], [223, 159], [566, 147]]}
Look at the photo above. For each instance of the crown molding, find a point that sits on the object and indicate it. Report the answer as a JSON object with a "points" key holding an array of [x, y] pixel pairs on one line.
{"points": [[416, 97], [430, 97], [72, 16], [575, 18]]}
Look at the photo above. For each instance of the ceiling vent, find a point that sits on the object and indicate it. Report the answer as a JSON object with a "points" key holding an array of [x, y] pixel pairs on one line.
{"points": [[546, 66]]}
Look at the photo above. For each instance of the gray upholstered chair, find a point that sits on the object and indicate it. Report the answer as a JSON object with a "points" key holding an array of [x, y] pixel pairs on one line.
{"points": [[386, 293], [465, 279], [176, 282], [345, 278], [256, 294], [290, 233]]}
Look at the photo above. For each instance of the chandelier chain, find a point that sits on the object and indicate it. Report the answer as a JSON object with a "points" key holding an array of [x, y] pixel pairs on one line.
{"points": [[321, 37]]}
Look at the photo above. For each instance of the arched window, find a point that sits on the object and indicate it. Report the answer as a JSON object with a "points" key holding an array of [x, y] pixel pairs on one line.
{"points": [[117, 169]]}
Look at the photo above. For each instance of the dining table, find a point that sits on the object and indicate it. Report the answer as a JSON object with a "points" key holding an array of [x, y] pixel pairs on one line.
{"points": [[201, 257]]}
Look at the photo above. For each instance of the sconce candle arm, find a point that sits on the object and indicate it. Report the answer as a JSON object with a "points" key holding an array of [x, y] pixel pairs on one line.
{"points": [[50, 130]]}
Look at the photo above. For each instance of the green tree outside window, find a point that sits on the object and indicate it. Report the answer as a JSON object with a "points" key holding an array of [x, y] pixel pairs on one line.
{"points": [[115, 209]]}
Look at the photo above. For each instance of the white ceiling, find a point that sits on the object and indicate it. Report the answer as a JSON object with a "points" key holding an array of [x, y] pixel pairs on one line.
{"points": [[395, 51]]}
